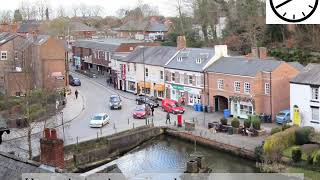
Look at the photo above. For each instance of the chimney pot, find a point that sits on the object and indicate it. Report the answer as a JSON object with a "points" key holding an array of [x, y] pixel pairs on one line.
{"points": [[53, 134], [46, 133], [181, 43], [263, 52]]}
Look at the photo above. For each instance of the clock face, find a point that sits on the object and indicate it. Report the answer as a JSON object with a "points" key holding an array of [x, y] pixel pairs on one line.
{"points": [[294, 10]]}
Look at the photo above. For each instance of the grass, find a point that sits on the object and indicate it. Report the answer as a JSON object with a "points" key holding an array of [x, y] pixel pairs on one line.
{"points": [[287, 153], [312, 175]]}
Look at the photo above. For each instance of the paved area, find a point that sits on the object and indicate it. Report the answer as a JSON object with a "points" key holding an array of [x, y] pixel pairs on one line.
{"points": [[93, 98]]}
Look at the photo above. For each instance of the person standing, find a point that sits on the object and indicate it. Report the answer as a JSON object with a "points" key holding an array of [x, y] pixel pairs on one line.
{"points": [[152, 110], [168, 118], [76, 93]]}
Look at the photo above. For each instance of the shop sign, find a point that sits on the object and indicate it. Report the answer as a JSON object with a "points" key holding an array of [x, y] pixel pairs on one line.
{"points": [[178, 87]]}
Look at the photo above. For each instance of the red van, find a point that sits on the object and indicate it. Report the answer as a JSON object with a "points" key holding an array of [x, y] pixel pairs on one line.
{"points": [[172, 106]]}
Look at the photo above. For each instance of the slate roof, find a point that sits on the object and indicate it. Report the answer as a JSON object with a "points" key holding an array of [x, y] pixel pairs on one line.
{"points": [[41, 39], [78, 26], [11, 167], [296, 65], [26, 26], [157, 55], [110, 44], [189, 56], [6, 36], [310, 75], [243, 66]]}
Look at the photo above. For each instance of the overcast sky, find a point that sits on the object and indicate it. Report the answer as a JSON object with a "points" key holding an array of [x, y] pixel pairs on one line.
{"points": [[166, 7]]}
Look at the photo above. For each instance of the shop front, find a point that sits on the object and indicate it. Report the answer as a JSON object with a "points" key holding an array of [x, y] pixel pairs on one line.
{"points": [[144, 88], [188, 95], [158, 91], [241, 107]]}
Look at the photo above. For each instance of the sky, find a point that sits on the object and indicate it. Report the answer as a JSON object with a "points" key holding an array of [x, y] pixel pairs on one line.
{"points": [[166, 7]]}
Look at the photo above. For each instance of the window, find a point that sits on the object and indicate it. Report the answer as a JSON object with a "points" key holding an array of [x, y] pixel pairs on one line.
{"points": [[190, 79], [161, 94], [131, 48], [198, 60], [147, 72], [237, 86], [107, 56], [220, 84], [179, 59], [315, 93], [161, 74], [132, 86], [266, 88], [4, 55], [247, 88], [173, 77], [135, 67], [315, 114], [128, 67]]}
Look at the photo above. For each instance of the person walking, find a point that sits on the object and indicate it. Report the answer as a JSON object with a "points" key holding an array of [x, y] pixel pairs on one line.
{"points": [[168, 118], [152, 110], [76, 93]]}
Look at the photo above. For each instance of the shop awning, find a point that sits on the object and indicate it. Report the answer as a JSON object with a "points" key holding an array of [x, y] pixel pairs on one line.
{"points": [[159, 87], [141, 84]]}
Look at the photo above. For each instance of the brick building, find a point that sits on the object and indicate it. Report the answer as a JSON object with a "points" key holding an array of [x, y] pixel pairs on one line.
{"points": [[247, 85]]}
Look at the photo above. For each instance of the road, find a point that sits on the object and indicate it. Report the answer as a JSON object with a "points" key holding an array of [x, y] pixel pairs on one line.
{"points": [[96, 95]]}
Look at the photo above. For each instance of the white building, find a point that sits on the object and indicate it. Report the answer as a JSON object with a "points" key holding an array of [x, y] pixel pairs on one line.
{"points": [[304, 97]]}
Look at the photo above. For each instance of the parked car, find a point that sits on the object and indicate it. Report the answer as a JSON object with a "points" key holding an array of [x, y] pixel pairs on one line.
{"points": [[141, 112], [283, 117], [115, 102], [172, 106], [99, 120], [151, 101], [75, 82]]}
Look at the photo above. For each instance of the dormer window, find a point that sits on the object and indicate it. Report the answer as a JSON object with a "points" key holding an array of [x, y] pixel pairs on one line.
{"points": [[131, 48], [179, 59], [198, 60]]}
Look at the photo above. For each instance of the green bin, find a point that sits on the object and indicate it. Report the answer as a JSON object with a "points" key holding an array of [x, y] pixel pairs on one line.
{"points": [[230, 130]]}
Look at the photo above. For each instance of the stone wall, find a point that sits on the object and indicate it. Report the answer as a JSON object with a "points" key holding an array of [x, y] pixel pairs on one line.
{"points": [[93, 153], [212, 143]]}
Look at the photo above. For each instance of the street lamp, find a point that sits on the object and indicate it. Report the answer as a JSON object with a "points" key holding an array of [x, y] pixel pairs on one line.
{"points": [[144, 84]]}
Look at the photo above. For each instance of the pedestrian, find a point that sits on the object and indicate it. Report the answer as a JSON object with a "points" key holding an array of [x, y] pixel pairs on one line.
{"points": [[168, 118], [76, 93], [152, 110]]}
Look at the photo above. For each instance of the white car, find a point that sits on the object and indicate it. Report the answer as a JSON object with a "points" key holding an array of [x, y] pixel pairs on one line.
{"points": [[99, 120]]}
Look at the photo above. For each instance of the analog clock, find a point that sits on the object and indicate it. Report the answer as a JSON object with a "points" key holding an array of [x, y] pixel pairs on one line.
{"points": [[294, 10]]}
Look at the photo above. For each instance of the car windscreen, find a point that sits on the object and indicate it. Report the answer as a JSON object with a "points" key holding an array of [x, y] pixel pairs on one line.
{"points": [[97, 118], [281, 114], [139, 108], [75, 79], [114, 99]]}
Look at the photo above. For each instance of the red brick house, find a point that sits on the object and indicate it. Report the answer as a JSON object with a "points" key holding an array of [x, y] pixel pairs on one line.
{"points": [[249, 85]]}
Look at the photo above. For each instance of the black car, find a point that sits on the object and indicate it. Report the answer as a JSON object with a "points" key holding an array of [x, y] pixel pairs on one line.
{"points": [[115, 102], [75, 82], [151, 101]]}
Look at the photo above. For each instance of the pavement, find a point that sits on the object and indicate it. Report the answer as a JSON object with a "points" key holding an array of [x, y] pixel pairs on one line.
{"points": [[93, 98]]}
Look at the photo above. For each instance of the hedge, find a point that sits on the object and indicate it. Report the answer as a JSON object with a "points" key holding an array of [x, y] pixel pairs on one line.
{"points": [[275, 130], [224, 121], [235, 123], [302, 135], [277, 143], [296, 154]]}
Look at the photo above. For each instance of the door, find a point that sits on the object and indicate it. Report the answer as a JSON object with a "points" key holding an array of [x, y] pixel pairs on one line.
{"points": [[216, 104]]}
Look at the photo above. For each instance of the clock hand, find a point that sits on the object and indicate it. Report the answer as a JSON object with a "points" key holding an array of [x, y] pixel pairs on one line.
{"points": [[287, 1]]}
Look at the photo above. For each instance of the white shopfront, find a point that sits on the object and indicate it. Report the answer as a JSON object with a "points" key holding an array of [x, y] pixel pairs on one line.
{"points": [[241, 109], [192, 95]]}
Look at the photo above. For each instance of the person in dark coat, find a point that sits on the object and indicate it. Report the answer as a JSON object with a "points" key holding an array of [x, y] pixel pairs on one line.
{"points": [[168, 118], [152, 110], [76, 93]]}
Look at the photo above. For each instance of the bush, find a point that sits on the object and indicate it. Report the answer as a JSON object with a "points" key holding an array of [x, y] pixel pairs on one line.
{"points": [[247, 123], [277, 143], [302, 135], [296, 154], [256, 122], [316, 158], [258, 152], [275, 130], [224, 121], [285, 126], [235, 123]]}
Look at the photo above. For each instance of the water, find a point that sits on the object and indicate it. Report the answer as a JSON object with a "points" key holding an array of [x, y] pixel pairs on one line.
{"points": [[168, 155]]}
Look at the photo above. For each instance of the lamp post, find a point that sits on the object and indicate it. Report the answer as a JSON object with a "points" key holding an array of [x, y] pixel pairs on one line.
{"points": [[144, 84]]}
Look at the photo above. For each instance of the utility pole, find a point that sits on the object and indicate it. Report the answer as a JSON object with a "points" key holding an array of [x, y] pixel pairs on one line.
{"points": [[144, 84]]}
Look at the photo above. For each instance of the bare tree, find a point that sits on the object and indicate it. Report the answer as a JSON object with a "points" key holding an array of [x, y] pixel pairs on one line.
{"points": [[6, 16], [97, 10], [61, 12], [42, 5], [75, 10], [83, 9]]}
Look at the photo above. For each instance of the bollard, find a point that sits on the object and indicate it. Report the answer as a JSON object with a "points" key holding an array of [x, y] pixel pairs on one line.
{"points": [[101, 131], [133, 125], [152, 120], [114, 125], [192, 119], [128, 121], [97, 136]]}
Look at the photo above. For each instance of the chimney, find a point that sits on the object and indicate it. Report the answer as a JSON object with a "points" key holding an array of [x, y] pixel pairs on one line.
{"points": [[52, 153], [263, 52], [221, 50], [255, 52], [34, 35], [181, 43]]}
